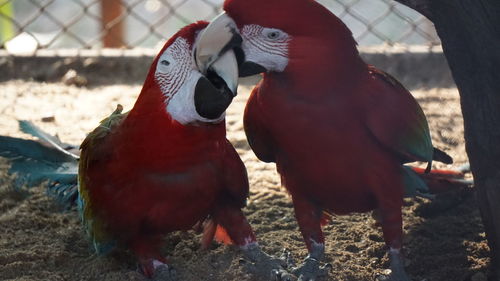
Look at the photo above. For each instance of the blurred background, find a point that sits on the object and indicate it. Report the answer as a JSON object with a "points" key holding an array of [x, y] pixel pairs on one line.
{"points": [[27, 26]]}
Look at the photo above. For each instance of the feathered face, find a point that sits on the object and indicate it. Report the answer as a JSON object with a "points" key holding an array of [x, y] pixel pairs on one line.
{"points": [[194, 91], [279, 34], [265, 49]]}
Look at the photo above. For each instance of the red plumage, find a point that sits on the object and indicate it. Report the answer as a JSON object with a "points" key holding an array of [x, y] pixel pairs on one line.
{"points": [[143, 174], [339, 130]]}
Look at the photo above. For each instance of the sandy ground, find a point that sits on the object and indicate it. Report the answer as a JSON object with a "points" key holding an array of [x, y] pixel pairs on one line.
{"points": [[39, 241]]}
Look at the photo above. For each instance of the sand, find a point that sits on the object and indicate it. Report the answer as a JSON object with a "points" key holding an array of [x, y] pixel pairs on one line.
{"points": [[444, 239]]}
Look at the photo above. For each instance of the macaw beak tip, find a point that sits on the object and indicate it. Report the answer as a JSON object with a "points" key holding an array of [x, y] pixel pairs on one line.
{"points": [[220, 36]]}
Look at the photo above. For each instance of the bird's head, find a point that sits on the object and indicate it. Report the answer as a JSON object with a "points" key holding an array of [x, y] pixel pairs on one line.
{"points": [[287, 36], [188, 90]]}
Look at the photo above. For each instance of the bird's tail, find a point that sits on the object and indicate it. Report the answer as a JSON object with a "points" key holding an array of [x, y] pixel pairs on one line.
{"points": [[212, 231], [426, 184], [44, 160]]}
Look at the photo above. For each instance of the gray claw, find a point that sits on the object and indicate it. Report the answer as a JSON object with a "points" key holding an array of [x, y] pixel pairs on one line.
{"points": [[282, 275], [165, 273], [397, 271], [325, 269], [310, 270], [264, 266], [381, 277], [389, 275], [288, 259]]}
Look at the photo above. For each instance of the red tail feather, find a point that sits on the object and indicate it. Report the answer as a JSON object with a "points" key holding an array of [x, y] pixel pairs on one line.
{"points": [[221, 236], [212, 231], [440, 181]]}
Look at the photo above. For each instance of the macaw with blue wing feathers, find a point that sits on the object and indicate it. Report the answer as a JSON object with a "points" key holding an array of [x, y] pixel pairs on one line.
{"points": [[164, 166]]}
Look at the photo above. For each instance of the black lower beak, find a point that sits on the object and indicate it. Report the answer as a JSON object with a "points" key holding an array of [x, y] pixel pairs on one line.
{"points": [[212, 96], [249, 68]]}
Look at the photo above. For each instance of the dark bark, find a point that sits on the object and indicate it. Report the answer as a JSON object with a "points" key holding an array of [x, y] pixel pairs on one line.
{"points": [[421, 6], [470, 35]]}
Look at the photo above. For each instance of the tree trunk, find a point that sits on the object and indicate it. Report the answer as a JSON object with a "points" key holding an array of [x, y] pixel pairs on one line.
{"points": [[470, 35]]}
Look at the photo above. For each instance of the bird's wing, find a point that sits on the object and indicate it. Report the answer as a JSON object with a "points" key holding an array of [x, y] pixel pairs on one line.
{"points": [[395, 119], [257, 135], [43, 160], [92, 149], [53, 141], [236, 178]]}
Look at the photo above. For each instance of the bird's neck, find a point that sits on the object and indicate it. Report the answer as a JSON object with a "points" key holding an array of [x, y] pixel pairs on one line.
{"points": [[316, 79], [150, 124], [323, 69]]}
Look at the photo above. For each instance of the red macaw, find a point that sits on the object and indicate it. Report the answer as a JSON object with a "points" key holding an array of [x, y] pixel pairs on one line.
{"points": [[164, 166], [167, 165], [338, 129]]}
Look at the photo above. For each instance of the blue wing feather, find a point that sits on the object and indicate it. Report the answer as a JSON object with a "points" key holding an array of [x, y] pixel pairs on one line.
{"points": [[48, 160], [31, 129], [35, 162], [414, 185]]}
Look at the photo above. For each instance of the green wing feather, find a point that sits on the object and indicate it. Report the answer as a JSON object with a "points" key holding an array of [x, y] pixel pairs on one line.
{"points": [[398, 122], [95, 227], [416, 139]]}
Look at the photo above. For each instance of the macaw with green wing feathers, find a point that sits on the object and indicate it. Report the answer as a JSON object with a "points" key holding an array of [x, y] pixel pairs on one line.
{"points": [[338, 129], [164, 166]]}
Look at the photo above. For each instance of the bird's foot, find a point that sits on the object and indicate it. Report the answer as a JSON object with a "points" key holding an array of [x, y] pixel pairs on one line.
{"points": [[157, 270], [397, 271], [263, 266], [310, 270], [390, 275]]}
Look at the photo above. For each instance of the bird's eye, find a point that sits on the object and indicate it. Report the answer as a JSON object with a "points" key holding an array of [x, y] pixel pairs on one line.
{"points": [[165, 62], [273, 35]]}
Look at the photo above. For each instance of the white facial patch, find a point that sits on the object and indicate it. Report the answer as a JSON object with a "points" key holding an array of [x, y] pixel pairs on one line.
{"points": [[177, 76], [173, 68], [182, 107], [267, 47]]}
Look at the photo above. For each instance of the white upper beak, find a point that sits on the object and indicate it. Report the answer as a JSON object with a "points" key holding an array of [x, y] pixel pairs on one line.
{"points": [[213, 50], [217, 38]]}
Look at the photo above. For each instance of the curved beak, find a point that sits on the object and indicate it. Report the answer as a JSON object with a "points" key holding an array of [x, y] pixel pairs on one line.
{"points": [[217, 62], [220, 36], [248, 68], [215, 91], [216, 39]]}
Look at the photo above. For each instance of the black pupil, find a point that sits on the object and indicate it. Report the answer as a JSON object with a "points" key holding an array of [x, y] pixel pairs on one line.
{"points": [[273, 35], [165, 62]]}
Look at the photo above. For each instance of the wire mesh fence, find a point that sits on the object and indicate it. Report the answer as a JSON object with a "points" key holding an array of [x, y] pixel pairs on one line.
{"points": [[30, 25]]}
